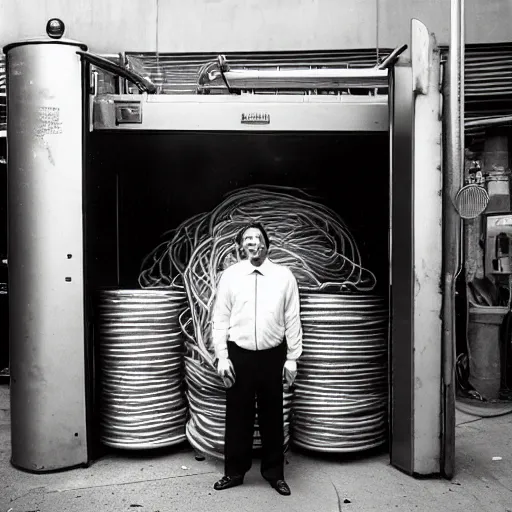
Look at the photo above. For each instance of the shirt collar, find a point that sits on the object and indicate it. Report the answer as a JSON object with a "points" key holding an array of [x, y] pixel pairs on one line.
{"points": [[262, 269]]}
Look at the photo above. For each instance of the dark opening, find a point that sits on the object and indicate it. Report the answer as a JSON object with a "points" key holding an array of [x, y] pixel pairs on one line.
{"points": [[159, 179]]}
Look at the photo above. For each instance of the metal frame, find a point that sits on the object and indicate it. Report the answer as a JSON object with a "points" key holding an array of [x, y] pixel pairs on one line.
{"points": [[402, 254], [415, 271], [228, 112], [416, 259]]}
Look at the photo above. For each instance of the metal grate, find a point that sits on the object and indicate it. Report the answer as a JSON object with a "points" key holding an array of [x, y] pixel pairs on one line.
{"points": [[471, 200]]}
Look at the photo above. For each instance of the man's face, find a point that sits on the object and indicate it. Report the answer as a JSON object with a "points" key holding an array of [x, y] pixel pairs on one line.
{"points": [[254, 246]]}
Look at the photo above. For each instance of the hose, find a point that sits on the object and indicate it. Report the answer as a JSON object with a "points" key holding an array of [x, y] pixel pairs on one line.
{"points": [[307, 237], [474, 410]]}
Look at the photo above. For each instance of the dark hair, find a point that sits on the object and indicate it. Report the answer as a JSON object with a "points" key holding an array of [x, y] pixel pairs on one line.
{"points": [[245, 227]]}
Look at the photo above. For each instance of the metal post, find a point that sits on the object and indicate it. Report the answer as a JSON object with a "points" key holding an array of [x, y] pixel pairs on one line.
{"points": [[453, 179], [45, 253]]}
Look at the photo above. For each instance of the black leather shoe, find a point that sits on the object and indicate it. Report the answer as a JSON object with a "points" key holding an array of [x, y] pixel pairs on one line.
{"points": [[281, 487], [228, 481]]}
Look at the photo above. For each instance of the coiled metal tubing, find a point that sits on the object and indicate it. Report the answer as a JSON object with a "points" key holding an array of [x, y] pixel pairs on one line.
{"points": [[207, 402], [341, 391], [141, 349]]}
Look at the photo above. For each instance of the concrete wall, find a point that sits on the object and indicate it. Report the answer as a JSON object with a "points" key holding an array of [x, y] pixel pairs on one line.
{"points": [[110, 26]]}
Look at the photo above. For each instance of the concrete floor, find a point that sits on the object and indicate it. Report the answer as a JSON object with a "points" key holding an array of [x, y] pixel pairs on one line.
{"points": [[175, 481]]}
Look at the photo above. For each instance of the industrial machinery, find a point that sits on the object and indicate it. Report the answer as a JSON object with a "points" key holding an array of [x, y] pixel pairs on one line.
{"points": [[95, 179]]}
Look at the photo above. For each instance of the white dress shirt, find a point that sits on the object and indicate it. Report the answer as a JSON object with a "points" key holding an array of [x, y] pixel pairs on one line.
{"points": [[255, 307]]}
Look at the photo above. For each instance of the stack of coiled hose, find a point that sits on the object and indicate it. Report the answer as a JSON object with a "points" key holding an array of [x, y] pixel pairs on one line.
{"points": [[207, 402], [141, 348], [305, 235], [340, 401]]}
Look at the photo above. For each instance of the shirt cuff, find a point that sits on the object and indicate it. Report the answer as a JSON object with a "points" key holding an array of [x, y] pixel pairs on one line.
{"points": [[221, 350]]}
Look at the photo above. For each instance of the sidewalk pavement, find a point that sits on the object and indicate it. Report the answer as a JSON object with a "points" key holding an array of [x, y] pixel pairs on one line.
{"points": [[176, 482]]}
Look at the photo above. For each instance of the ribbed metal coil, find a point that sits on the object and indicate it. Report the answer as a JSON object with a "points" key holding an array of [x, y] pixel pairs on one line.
{"points": [[207, 402], [340, 400], [141, 349]]}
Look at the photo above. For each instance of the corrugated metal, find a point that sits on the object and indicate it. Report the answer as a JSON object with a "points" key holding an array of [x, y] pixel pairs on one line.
{"points": [[487, 89], [488, 67], [488, 71]]}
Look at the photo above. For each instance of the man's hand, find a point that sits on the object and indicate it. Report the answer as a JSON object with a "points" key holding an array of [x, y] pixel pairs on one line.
{"points": [[226, 371], [290, 372]]}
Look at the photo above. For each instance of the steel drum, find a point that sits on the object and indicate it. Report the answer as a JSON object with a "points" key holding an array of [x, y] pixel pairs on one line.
{"points": [[341, 392], [141, 347]]}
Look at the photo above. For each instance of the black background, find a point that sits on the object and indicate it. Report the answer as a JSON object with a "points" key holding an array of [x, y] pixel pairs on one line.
{"points": [[165, 178]]}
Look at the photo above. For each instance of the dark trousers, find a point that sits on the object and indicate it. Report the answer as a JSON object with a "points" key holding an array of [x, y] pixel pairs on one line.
{"points": [[259, 376]]}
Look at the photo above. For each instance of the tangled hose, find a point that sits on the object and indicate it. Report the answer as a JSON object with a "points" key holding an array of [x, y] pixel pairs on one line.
{"points": [[306, 236]]}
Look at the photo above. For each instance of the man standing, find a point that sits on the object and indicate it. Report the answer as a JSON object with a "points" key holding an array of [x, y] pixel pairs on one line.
{"points": [[256, 307]]}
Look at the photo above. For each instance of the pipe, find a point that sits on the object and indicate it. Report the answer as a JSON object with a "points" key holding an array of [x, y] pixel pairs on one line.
{"points": [[392, 57], [332, 78], [492, 121], [453, 169], [143, 83]]}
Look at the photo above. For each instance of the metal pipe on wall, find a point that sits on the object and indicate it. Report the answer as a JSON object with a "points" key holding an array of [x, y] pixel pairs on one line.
{"points": [[453, 179]]}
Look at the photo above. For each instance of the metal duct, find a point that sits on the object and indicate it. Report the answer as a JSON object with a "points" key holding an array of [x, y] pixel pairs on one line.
{"points": [[141, 348], [341, 395], [207, 402]]}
